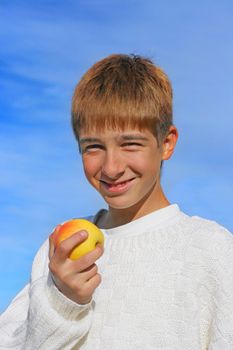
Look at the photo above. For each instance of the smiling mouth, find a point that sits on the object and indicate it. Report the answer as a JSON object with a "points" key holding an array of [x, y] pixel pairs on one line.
{"points": [[117, 187]]}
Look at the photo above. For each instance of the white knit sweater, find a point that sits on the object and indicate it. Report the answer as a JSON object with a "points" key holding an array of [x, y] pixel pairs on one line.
{"points": [[167, 283]]}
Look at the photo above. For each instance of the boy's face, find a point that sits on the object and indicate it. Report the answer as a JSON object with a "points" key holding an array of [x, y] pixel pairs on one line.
{"points": [[124, 166]]}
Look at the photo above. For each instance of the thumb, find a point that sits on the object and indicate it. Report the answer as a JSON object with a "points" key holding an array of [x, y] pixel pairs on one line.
{"points": [[51, 241]]}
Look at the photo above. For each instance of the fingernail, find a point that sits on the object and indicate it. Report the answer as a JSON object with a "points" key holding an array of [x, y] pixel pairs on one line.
{"points": [[83, 234]]}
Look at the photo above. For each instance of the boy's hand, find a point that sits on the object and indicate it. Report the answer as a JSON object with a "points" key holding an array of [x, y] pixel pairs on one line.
{"points": [[76, 279]]}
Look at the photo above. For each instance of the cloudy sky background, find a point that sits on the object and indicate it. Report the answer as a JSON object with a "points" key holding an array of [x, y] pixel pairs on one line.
{"points": [[45, 48]]}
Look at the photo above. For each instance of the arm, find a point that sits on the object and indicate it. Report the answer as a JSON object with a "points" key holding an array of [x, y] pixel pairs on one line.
{"points": [[41, 317], [221, 331], [14, 319]]}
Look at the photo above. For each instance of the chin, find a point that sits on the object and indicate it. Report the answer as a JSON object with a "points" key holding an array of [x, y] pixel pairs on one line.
{"points": [[120, 203]]}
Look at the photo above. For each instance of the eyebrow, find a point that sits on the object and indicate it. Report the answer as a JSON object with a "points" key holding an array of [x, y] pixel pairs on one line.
{"points": [[89, 140], [129, 137], [125, 137]]}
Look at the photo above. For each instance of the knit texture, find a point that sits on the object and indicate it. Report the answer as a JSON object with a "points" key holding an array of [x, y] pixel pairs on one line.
{"points": [[167, 283]]}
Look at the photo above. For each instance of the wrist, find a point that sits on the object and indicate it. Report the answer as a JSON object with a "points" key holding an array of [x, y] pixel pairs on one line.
{"points": [[65, 306]]}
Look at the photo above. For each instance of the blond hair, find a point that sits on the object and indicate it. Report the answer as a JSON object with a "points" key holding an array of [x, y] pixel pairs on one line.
{"points": [[123, 91]]}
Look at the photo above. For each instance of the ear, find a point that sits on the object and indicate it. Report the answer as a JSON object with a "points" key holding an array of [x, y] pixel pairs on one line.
{"points": [[169, 143]]}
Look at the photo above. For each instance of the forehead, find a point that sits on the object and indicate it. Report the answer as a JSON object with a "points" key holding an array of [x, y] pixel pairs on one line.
{"points": [[116, 135]]}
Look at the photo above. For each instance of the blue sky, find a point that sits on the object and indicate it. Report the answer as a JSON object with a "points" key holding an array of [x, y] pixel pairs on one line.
{"points": [[45, 48]]}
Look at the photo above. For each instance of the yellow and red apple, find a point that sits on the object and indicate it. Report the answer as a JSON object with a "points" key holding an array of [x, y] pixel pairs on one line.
{"points": [[67, 229]]}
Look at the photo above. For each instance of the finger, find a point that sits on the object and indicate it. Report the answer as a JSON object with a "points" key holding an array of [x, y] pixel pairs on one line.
{"points": [[93, 282], [56, 229], [51, 246], [90, 272], [87, 260], [65, 248], [51, 241]]}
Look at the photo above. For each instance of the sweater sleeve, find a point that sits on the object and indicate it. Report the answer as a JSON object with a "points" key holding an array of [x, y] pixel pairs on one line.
{"points": [[41, 317], [221, 330]]}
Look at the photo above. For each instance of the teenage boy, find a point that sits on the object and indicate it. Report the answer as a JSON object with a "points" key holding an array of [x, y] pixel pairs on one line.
{"points": [[165, 279]]}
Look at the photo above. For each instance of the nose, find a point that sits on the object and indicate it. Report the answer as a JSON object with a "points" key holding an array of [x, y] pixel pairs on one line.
{"points": [[113, 166]]}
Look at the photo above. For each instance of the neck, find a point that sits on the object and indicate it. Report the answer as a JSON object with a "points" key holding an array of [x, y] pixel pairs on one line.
{"points": [[117, 217]]}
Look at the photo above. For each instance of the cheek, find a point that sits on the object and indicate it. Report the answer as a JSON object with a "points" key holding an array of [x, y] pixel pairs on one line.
{"points": [[90, 167], [144, 164]]}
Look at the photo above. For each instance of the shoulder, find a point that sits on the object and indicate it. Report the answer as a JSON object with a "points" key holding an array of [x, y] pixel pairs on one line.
{"points": [[211, 229], [95, 218], [211, 237], [92, 217]]}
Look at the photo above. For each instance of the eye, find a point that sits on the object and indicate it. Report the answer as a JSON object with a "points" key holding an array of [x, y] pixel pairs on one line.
{"points": [[92, 148], [132, 145]]}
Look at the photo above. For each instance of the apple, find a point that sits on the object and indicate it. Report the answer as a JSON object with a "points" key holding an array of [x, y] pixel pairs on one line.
{"points": [[95, 236]]}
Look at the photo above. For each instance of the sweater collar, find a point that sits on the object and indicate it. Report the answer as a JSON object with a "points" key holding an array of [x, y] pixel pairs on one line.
{"points": [[157, 219]]}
